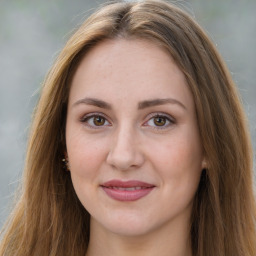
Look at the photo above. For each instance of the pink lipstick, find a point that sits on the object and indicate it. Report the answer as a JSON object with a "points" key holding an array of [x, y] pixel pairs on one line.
{"points": [[127, 190]]}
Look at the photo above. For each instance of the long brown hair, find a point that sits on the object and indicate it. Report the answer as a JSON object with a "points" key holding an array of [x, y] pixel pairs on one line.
{"points": [[50, 220]]}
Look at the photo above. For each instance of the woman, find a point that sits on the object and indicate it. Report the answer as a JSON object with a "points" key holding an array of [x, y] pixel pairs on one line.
{"points": [[157, 156]]}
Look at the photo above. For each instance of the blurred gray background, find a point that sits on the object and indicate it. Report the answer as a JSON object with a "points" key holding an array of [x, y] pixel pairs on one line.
{"points": [[33, 32]]}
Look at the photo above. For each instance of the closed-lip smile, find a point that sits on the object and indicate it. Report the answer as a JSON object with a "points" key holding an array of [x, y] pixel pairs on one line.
{"points": [[131, 190]]}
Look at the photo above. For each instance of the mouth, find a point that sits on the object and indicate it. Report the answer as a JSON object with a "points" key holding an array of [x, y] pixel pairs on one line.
{"points": [[127, 190]]}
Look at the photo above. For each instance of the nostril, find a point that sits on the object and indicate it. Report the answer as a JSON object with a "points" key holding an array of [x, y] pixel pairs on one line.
{"points": [[120, 160], [123, 159]]}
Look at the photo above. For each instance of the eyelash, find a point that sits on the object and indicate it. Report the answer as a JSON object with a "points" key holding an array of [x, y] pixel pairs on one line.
{"points": [[167, 118], [85, 119]]}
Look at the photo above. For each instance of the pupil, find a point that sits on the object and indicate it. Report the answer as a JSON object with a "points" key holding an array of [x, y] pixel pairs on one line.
{"points": [[99, 120], [159, 121]]}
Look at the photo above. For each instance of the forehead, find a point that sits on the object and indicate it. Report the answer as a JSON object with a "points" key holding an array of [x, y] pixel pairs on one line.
{"points": [[126, 68]]}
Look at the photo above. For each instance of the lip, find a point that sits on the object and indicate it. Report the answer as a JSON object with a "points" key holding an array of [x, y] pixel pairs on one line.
{"points": [[131, 190]]}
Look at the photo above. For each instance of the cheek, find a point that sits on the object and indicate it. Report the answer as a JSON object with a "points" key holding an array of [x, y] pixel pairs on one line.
{"points": [[178, 155], [86, 157], [178, 159], [85, 154]]}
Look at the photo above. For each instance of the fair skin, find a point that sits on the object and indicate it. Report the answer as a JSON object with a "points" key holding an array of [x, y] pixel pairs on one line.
{"points": [[131, 118]]}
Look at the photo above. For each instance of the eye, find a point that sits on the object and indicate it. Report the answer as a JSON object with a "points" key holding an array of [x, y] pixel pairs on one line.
{"points": [[160, 121], [95, 120]]}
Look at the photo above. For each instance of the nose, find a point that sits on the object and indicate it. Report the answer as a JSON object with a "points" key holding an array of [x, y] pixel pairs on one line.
{"points": [[125, 152]]}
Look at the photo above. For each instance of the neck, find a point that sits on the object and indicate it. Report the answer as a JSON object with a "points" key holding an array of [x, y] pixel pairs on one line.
{"points": [[164, 242]]}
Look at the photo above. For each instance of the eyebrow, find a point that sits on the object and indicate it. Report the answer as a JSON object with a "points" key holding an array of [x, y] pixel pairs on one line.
{"points": [[157, 102], [93, 102], [141, 105]]}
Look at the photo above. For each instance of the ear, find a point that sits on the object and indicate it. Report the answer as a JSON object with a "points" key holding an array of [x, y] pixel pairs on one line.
{"points": [[66, 161], [204, 163]]}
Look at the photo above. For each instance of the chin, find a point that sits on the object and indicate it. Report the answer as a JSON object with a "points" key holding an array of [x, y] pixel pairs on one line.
{"points": [[123, 225], [130, 230]]}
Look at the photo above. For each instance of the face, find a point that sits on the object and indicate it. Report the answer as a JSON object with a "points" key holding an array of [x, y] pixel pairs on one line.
{"points": [[132, 139]]}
